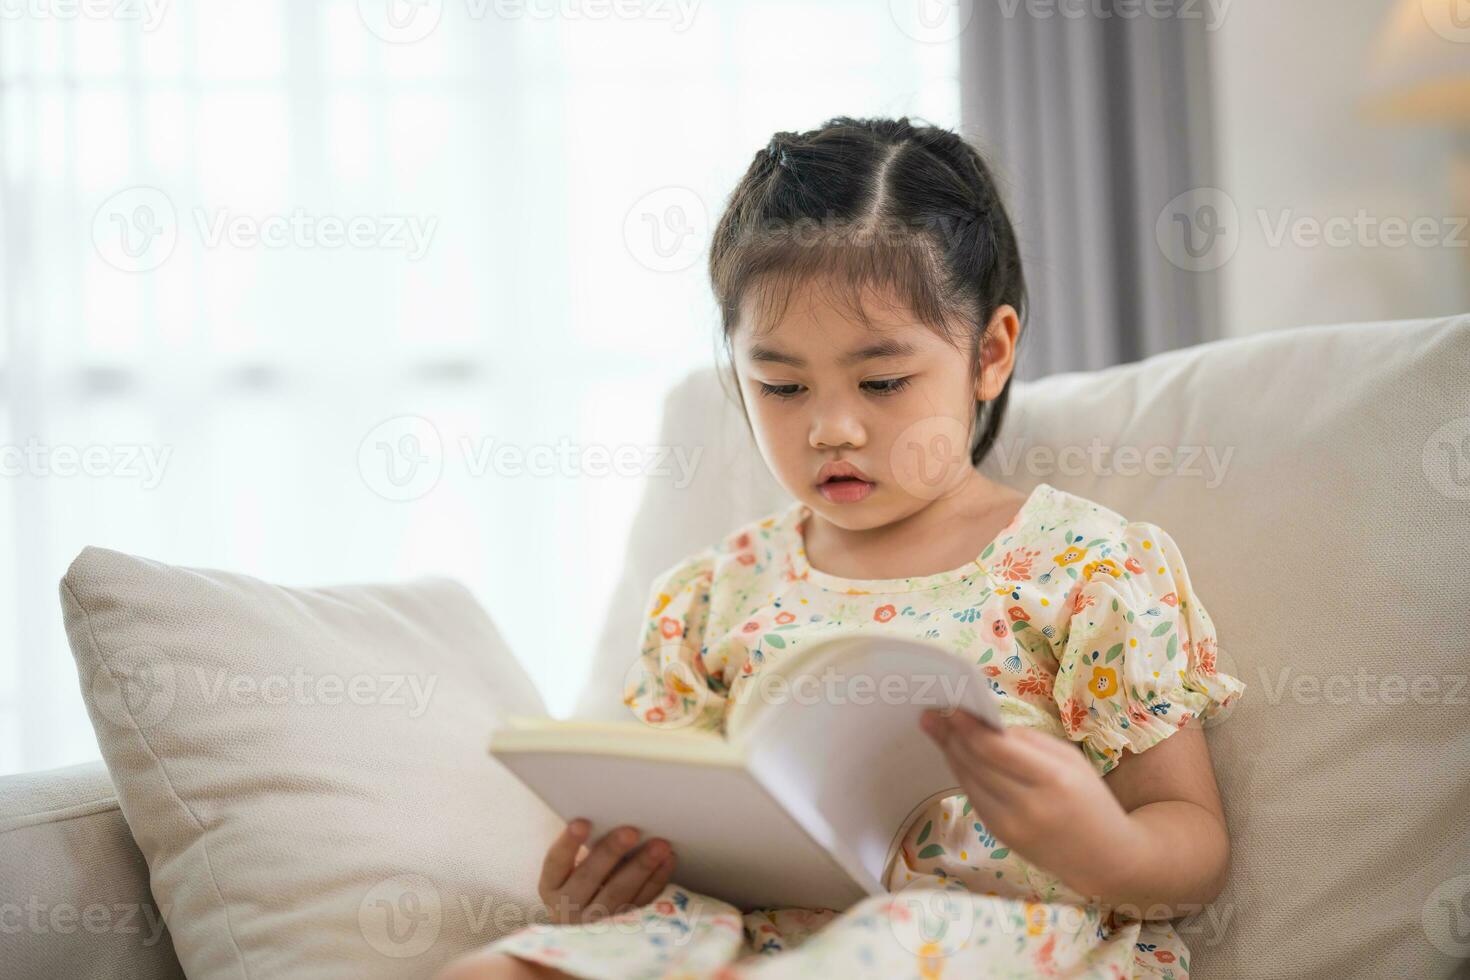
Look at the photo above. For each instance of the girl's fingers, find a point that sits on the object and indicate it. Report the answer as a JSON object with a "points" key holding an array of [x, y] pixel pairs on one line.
{"points": [[561, 857], [991, 755], [975, 777], [592, 872], [1006, 750], [630, 876], [656, 883], [976, 769], [985, 803]]}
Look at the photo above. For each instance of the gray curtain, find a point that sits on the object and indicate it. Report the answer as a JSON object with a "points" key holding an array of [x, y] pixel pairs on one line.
{"points": [[1095, 124]]}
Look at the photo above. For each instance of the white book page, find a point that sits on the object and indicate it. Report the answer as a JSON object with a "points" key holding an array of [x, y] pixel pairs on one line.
{"points": [[844, 751], [733, 840]]}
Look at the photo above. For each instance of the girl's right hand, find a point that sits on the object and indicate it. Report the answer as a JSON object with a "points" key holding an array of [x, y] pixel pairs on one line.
{"points": [[612, 876]]}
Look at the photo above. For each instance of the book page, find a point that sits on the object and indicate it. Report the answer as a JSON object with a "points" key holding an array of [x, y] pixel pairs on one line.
{"points": [[840, 743], [732, 839]]}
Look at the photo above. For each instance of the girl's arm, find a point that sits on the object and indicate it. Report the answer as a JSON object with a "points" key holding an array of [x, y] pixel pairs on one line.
{"points": [[1179, 853], [1149, 838]]}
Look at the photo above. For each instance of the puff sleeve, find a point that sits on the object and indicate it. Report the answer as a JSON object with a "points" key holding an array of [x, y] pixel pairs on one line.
{"points": [[1137, 662], [668, 685]]}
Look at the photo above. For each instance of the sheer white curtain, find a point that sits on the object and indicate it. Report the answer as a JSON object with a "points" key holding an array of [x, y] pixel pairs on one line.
{"points": [[314, 293]]}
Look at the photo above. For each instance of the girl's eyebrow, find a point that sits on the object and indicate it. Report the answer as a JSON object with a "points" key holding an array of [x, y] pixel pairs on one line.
{"points": [[882, 348]]}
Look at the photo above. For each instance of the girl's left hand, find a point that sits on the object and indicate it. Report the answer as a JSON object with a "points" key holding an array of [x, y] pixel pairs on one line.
{"points": [[1038, 795]]}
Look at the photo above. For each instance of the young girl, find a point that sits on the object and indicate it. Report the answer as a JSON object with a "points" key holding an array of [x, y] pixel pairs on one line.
{"points": [[872, 299]]}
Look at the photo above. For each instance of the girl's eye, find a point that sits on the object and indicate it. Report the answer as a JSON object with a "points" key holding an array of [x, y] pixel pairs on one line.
{"points": [[780, 391], [887, 386]]}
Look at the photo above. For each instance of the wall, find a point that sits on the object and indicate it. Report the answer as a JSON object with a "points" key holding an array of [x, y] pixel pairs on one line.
{"points": [[1288, 75]]}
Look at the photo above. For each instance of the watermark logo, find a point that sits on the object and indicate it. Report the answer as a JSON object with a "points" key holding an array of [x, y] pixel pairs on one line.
{"points": [[1215, 659], [666, 229], [400, 21], [401, 916], [410, 21], [410, 691], [402, 458], [1294, 686], [1446, 917], [667, 692], [932, 922], [39, 918], [1212, 12], [1208, 464], [136, 229], [1446, 459], [149, 12], [135, 688], [1450, 19], [931, 457], [932, 21], [1199, 230], [406, 233], [141, 462], [1362, 230]]}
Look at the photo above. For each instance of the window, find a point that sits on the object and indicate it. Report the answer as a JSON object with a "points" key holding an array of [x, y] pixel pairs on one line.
{"points": [[291, 290]]}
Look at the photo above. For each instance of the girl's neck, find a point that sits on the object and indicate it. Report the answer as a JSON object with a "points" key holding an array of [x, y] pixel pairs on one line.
{"points": [[942, 535]]}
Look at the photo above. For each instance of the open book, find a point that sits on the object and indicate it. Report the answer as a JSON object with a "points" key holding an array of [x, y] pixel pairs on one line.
{"points": [[801, 803]]}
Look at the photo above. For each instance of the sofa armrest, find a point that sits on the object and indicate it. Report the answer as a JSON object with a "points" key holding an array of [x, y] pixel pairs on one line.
{"points": [[75, 900]]}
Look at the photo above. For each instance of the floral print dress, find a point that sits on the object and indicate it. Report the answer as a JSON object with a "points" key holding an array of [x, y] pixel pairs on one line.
{"points": [[1087, 627]]}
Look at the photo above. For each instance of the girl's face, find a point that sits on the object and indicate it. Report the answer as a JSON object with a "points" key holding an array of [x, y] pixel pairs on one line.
{"points": [[894, 401]]}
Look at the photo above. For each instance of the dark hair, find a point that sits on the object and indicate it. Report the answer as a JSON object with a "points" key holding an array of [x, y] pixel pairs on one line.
{"points": [[874, 202]]}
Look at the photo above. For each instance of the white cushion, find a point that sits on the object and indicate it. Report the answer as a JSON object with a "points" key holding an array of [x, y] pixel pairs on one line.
{"points": [[1328, 542], [305, 769]]}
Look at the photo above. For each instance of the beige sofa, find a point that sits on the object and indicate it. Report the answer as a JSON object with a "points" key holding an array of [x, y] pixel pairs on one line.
{"points": [[1317, 480]]}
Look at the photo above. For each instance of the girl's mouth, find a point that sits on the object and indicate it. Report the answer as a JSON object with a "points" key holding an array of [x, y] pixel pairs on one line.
{"points": [[845, 490]]}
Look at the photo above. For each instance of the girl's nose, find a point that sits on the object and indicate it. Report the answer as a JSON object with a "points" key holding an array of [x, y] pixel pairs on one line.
{"points": [[837, 426]]}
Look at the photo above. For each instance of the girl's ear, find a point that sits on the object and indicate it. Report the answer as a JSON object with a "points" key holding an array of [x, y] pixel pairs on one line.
{"points": [[997, 352]]}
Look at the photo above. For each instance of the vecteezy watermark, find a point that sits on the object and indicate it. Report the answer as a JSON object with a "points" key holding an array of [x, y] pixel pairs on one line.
{"points": [[667, 230], [1200, 230], [36, 917], [1097, 458], [1446, 459], [134, 688], [665, 690], [410, 21], [1450, 19], [403, 458], [123, 461], [932, 21], [402, 916], [843, 687], [406, 233], [149, 12], [1362, 230], [1212, 12], [932, 921], [300, 687], [1446, 917], [1363, 687], [930, 459], [137, 229]]}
